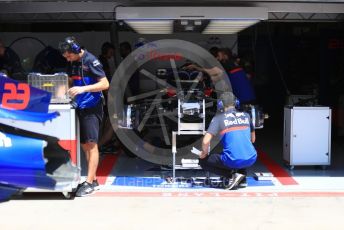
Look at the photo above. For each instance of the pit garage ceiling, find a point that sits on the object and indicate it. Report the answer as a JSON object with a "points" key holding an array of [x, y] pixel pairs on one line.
{"points": [[105, 11], [207, 20]]}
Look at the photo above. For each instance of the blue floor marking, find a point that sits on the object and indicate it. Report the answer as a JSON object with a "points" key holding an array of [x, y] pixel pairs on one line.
{"points": [[158, 182], [252, 182]]}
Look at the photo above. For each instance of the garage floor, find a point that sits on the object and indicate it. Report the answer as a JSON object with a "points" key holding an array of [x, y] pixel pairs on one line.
{"points": [[121, 175], [315, 201]]}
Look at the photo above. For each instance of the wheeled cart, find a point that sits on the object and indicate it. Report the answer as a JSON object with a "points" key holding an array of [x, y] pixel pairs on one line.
{"points": [[62, 153], [307, 136], [65, 129], [54, 163], [39, 140]]}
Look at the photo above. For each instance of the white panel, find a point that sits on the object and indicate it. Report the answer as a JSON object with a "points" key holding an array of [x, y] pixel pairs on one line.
{"points": [[191, 126], [310, 140], [307, 136]]}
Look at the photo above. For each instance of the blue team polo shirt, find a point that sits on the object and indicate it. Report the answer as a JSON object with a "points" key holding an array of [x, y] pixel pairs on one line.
{"points": [[241, 85], [92, 72], [235, 130]]}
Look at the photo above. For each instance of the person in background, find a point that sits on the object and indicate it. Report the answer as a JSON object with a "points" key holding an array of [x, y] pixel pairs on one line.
{"points": [[107, 52], [217, 76], [106, 143], [124, 49], [237, 135], [133, 86], [241, 84], [88, 80], [226, 58], [49, 61], [10, 63], [213, 50]]}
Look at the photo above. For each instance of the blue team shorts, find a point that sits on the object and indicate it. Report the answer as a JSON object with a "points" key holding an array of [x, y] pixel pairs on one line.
{"points": [[90, 120]]}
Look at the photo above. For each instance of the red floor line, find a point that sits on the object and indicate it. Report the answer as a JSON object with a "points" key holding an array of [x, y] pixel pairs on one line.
{"points": [[105, 167], [278, 172], [218, 194]]}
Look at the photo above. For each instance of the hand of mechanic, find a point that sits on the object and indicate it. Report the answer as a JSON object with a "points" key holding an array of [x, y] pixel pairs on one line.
{"points": [[192, 67], [76, 90], [203, 155]]}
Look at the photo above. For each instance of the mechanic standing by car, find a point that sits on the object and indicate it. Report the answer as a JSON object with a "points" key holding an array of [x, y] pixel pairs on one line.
{"points": [[89, 80], [241, 84], [237, 135]]}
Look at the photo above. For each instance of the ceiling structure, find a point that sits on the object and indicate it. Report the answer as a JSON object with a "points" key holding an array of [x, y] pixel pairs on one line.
{"points": [[105, 11], [207, 20]]}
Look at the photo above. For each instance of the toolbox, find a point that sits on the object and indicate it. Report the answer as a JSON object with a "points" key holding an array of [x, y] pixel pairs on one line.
{"points": [[56, 84]]}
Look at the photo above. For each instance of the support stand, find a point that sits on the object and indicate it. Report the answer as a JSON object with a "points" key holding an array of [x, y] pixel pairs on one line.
{"points": [[174, 149], [186, 129]]}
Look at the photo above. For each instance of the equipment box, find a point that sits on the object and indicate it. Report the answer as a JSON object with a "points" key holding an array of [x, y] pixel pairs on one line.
{"points": [[307, 136], [56, 84]]}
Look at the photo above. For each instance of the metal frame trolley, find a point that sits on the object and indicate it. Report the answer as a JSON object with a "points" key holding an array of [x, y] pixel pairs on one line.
{"points": [[65, 128]]}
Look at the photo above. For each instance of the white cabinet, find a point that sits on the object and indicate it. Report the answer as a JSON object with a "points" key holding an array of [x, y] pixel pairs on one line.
{"points": [[307, 136]]}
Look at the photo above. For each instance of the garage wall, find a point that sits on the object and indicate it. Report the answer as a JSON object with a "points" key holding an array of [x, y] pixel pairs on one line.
{"points": [[202, 40], [205, 41], [27, 49]]}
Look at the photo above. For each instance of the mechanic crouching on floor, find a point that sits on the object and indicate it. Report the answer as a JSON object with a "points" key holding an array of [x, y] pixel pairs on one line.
{"points": [[237, 135], [88, 77]]}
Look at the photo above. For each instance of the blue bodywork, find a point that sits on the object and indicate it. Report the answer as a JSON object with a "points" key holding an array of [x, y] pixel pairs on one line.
{"points": [[38, 99], [22, 153], [22, 164], [27, 116]]}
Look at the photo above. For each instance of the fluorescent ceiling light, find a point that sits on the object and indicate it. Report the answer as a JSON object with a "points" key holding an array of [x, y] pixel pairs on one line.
{"points": [[197, 22], [189, 28], [184, 22], [151, 26], [228, 26]]}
